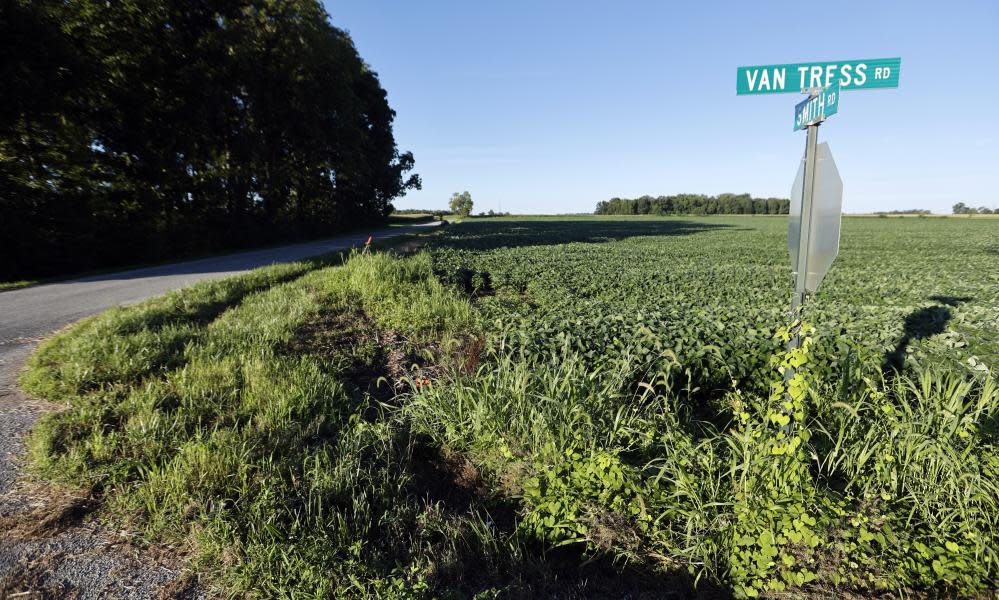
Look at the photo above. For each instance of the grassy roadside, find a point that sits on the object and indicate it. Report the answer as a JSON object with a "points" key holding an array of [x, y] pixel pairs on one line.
{"points": [[192, 417], [274, 425], [16, 285], [254, 422]]}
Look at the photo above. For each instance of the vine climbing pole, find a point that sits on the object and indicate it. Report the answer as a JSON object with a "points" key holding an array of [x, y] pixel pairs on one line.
{"points": [[804, 238]]}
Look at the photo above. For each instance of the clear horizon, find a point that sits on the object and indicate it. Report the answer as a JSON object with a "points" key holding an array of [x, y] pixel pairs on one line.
{"points": [[550, 109]]}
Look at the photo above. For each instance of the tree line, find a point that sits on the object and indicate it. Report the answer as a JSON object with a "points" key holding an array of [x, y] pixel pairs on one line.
{"points": [[694, 204], [962, 209], [142, 129], [418, 211]]}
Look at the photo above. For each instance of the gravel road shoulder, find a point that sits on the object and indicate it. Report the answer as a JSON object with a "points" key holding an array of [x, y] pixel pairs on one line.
{"points": [[50, 546]]}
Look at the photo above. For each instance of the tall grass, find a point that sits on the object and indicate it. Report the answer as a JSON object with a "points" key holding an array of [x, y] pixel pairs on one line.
{"points": [[901, 473], [921, 456]]}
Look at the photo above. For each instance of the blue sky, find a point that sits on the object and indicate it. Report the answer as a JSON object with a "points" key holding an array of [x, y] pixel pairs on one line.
{"points": [[549, 107]]}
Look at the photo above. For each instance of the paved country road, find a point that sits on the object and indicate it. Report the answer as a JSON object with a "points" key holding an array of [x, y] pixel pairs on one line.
{"points": [[83, 561]]}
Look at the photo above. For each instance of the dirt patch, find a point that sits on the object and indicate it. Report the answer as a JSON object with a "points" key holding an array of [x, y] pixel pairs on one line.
{"points": [[34, 584], [379, 363], [470, 354], [451, 483], [602, 578], [446, 478], [609, 531], [184, 586], [56, 510]]}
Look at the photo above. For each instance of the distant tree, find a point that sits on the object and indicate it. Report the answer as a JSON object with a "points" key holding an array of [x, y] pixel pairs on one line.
{"points": [[461, 204], [907, 211], [962, 209], [416, 211]]}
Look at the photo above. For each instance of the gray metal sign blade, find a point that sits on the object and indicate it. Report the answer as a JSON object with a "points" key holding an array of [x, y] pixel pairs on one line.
{"points": [[827, 206], [794, 223], [827, 210]]}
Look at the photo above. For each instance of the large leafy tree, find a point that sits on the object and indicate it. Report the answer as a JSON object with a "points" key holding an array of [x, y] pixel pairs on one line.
{"points": [[147, 128], [461, 203]]}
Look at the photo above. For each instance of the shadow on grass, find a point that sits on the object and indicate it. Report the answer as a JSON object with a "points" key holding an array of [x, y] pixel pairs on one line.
{"points": [[514, 233], [921, 324]]}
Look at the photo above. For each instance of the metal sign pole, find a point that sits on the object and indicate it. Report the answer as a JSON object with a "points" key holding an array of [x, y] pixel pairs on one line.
{"points": [[798, 295]]}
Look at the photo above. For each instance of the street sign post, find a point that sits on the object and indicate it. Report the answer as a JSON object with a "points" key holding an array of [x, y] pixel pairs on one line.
{"points": [[799, 77], [817, 108], [817, 192]]}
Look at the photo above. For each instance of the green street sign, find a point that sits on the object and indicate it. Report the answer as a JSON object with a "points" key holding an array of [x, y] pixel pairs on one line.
{"points": [[817, 108], [801, 77]]}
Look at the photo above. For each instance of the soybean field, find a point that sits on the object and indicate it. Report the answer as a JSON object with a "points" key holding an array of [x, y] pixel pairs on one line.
{"points": [[920, 291]]}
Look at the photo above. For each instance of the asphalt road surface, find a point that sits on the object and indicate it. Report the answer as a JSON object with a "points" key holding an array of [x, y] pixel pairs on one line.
{"points": [[83, 560]]}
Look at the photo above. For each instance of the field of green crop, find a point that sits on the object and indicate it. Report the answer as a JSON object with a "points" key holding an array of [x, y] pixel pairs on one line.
{"points": [[920, 288], [648, 348], [557, 407]]}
